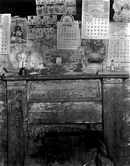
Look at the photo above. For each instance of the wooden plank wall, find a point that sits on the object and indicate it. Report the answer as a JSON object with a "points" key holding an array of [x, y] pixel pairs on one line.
{"points": [[126, 122], [3, 125], [65, 101]]}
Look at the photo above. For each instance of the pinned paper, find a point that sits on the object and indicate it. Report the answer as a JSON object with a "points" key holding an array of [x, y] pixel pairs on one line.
{"points": [[59, 60]]}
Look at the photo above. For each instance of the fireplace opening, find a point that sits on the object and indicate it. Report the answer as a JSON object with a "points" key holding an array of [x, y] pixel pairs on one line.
{"points": [[65, 146]]}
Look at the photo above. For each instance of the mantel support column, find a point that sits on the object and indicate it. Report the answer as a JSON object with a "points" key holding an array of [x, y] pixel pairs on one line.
{"points": [[17, 128], [113, 119]]}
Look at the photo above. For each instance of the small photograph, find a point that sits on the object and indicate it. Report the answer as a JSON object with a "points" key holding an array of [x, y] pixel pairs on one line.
{"points": [[46, 20], [39, 20], [60, 8], [52, 1], [51, 31], [54, 19], [71, 2], [31, 33], [71, 10], [41, 2], [37, 2], [59, 1], [50, 9], [49, 1], [30, 20], [39, 10], [39, 32], [44, 10], [46, 31]]}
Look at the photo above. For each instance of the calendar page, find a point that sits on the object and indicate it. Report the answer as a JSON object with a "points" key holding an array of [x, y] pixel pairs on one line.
{"points": [[95, 19], [119, 42], [67, 35], [5, 20]]}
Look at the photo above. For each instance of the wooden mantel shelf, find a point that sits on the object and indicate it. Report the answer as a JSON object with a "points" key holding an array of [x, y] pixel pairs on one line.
{"points": [[99, 75]]}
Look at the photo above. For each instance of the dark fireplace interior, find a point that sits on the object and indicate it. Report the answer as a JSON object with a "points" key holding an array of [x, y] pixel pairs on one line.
{"points": [[64, 145]]}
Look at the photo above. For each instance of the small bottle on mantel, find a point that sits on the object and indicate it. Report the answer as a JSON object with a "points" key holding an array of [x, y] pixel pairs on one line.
{"points": [[22, 70], [112, 66]]}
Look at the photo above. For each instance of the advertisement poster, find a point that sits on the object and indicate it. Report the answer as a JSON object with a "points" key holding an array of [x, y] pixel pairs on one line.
{"points": [[18, 30], [42, 32]]}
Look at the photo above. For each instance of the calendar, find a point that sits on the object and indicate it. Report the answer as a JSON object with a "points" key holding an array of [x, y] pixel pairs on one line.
{"points": [[119, 42], [67, 35], [95, 19], [5, 20], [119, 48]]}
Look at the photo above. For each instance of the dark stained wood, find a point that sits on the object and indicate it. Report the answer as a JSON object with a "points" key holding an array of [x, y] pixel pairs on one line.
{"points": [[17, 128], [113, 121], [68, 112], [112, 81], [99, 75], [65, 102], [64, 90], [39, 130], [126, 121]]}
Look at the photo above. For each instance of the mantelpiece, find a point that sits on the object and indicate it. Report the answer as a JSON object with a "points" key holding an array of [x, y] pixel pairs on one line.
{"points": [[102, 93], [99, 75]]}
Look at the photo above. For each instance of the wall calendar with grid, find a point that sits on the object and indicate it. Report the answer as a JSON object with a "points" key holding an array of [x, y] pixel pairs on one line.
{"points": [[119, 48], [95, 19], [5, 20], [67, 35], [119, 42]]}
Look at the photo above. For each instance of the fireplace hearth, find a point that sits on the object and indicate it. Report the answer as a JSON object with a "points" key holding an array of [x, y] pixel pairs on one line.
{"points": [[76, 121], [61, 147]]}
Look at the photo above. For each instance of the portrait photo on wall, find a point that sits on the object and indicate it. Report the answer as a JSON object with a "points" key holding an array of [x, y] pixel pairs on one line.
{"points": [[18, 31]]}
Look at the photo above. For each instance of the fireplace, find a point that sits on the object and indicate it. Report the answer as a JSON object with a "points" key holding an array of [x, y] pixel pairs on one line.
{"points": [[61, 115], [64, 147], [65, 121]]}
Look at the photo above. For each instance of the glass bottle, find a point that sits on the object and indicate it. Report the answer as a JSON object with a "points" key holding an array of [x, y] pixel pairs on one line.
{"points": [[112, 66]]}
